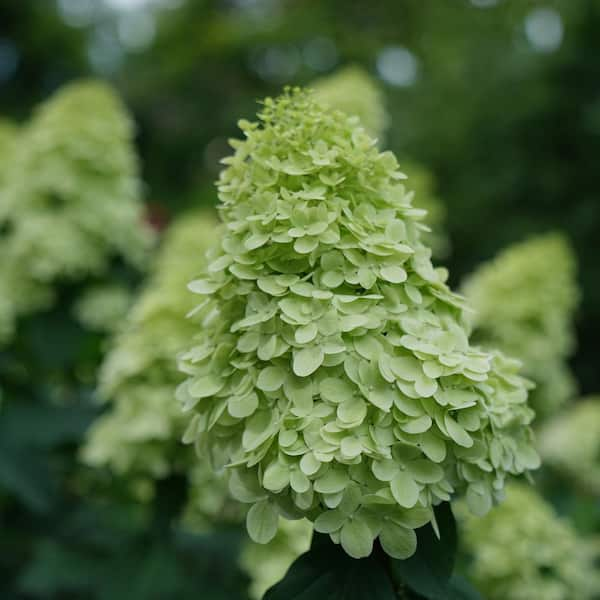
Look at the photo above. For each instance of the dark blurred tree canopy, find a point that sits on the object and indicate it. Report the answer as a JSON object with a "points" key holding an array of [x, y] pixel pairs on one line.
{"points": [[500, 98]]}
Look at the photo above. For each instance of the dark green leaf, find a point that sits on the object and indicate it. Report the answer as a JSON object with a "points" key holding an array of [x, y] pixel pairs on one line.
{"points": [[27, 476], [326, 572], [429, 570]]}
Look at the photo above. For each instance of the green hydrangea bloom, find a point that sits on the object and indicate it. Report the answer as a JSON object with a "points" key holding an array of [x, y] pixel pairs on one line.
{"points": [[267, 564], [141, 433], [528, 314], [353, 91], [570, 443], [71, 201], [102, 307], [332, 375], [423, 185], [16, 291], [523, 551], [8, 139]]}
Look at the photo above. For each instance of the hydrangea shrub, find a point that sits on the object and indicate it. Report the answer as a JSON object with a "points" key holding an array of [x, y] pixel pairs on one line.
{"points": [[332, 375], [70, 201], [524, 301], [570, 443], [522, 550]]}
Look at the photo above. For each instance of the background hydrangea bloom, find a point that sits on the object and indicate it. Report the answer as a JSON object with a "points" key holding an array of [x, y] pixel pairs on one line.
{"points": [[523, 551], [103, 307], [71, 201], [8, 137], [353, 91], [332, 374], [525, 301], [423, 184], [570, 443], [141, 432]]}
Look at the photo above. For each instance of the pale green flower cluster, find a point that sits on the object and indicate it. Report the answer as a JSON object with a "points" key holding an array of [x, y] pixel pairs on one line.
{"points": [[70, 199], [332, 376], [141, 433], [8, 138], [267, 564], [17, 292], [523, 551], [423, 185], [102, 307], [570, 443], [353, 91], [525, 301]]}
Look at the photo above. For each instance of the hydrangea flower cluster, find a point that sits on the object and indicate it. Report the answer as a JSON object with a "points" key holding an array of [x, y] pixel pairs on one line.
{"points": [[267, 564], [570, 443], [331, 375], [8, 137], [536, 325], [140, 434], [353, 91], [70, 202], [102, 307], [523, 551], [423, 186], [17, 293]]}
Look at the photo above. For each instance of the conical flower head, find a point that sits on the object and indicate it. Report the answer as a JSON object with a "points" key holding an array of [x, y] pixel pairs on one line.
{"points": [[332, 376], [72, 199], [524, 302]]}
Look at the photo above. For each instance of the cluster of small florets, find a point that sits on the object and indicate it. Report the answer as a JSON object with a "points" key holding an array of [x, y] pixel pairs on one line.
{"points": [[8, 139], [570, 443], [70, 198], [422, 185], [103, 307], [140, 434], [523, 551], [353, 91], [524, 303], [332, 376]]}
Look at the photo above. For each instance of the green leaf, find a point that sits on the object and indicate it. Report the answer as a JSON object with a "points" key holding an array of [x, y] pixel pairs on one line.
{"points": [[326, 572], [261, 521], [26, 474], [429, 570]]}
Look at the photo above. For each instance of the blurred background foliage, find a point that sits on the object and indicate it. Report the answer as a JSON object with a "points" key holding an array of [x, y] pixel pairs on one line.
{"points": [[493, 108]]}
